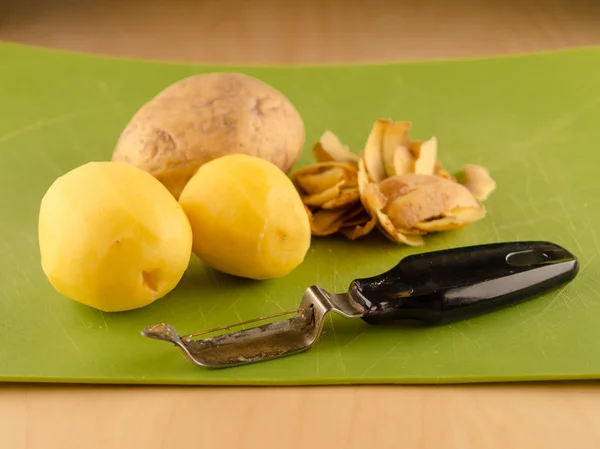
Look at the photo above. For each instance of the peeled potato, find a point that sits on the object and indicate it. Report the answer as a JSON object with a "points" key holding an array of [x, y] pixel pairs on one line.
{"points": [[112, 237], [247, 218], [202, 117]]}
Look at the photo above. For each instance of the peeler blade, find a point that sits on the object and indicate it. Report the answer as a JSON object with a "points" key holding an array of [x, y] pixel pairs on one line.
{"points": [[262, 342]]}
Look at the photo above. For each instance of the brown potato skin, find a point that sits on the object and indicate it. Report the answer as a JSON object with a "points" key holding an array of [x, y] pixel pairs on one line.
{"points": [[202, 117]]}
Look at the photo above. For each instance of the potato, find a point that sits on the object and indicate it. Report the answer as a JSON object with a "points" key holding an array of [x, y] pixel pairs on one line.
{"points": [[202, 117], [247, 218], [112, 237]]}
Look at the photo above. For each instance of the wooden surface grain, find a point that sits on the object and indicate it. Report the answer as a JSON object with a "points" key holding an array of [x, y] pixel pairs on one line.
{"points": [[308, 31], [261, 31], [382, 417]]}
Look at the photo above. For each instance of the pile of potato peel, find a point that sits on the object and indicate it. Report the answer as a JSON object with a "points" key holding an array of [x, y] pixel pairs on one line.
{"points": [[396, 185]]}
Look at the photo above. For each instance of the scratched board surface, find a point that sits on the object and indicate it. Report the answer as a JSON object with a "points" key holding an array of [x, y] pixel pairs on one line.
{"points": [[532, 120]]}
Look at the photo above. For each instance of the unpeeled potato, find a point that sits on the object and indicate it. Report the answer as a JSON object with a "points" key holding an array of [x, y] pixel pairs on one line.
{"points": [[112, 237], [247, 218], [206, 116]]}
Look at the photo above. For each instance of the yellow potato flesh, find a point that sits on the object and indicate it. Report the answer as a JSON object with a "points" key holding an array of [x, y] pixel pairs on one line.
{"points": [[112, 236], [247, 218]]}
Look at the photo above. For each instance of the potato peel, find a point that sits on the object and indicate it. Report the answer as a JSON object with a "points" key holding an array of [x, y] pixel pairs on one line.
{"points": [[321, 176], [478, 181], [427, 197], [439, 170], [356, 214], [404, 161], [359, 231], [394, 234], [376, 202], [324, 197], [427, 157], [396, 138], [329, 148], [373, 157], [358, 221], [396, 185], [344, 197], [454, 219], [326, 222]]}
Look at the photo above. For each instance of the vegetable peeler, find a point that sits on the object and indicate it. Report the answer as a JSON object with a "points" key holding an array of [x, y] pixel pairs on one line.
{"points": [[434, 288]]}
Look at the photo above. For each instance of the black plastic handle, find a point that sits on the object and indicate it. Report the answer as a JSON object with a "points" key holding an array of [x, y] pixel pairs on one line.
{"points": [[449, 285]]}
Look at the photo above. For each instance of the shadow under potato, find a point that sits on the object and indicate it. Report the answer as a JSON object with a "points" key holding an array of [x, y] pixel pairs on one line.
{"points": [[206, 298], [200, 276], [375, 241]]}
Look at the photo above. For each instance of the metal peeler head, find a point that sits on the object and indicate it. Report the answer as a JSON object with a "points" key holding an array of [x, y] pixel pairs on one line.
{"points": [[262, 342]]}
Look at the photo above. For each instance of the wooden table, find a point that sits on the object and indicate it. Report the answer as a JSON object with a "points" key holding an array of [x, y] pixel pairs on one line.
{"points": [[497, 416]]}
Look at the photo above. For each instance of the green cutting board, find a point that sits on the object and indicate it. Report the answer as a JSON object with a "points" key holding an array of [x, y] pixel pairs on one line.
{"points": [[532, 120]]}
